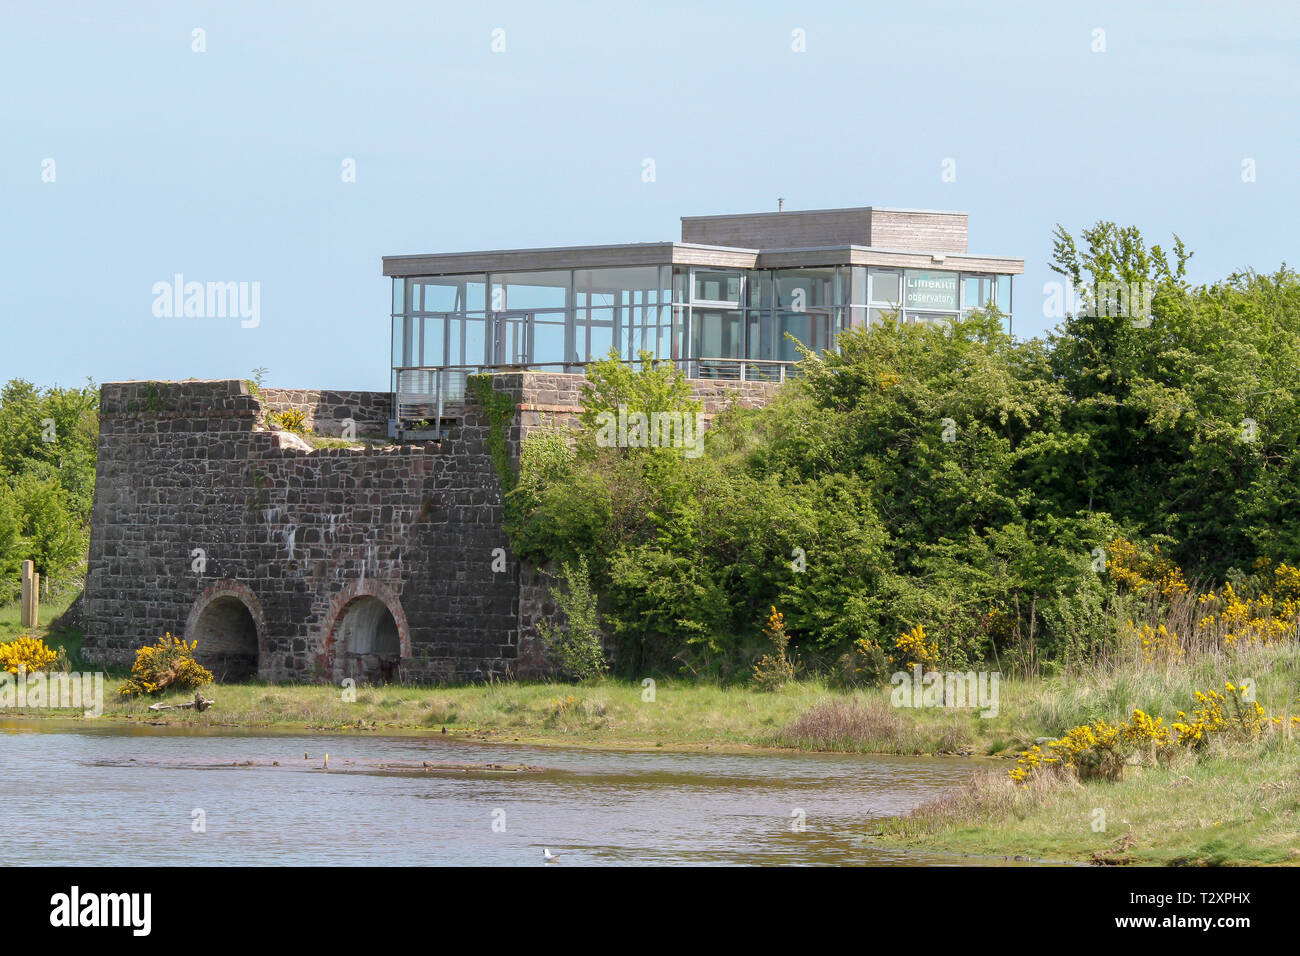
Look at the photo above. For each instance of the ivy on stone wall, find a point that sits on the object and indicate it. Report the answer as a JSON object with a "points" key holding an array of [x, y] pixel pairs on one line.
{"points": [[500, 409]]}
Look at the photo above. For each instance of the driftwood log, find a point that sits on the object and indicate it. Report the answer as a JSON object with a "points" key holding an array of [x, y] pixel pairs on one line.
{"points": [[199, 703]]}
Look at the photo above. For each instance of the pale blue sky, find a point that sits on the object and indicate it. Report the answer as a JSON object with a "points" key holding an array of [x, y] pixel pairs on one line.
{"points": [[225, 165]]}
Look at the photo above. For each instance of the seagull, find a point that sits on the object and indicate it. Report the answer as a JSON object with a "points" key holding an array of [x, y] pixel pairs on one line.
{"points": [[548, 856]]}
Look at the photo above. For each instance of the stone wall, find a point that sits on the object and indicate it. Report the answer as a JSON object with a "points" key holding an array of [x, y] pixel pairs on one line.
{"points": [[325, 410], [546, 398], [374, 562], [194, 506]]}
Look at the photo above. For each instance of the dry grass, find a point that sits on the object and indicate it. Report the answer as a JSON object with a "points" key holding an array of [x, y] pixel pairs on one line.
{"points": [[868, 725]]}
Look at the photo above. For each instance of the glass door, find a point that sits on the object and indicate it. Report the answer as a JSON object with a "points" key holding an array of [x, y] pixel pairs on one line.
{"points": [[514, 338]]}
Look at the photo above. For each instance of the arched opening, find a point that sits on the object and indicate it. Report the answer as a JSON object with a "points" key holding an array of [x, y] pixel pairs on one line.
{"points": [[227, 636], [368, 638]]}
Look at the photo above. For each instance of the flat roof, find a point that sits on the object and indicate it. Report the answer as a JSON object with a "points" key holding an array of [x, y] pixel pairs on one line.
{"points": [[685, 253], [570, 257], [787, 212]]}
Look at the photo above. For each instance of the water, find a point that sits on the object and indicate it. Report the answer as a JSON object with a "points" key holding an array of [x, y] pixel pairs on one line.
{"points": [[105, 794]]}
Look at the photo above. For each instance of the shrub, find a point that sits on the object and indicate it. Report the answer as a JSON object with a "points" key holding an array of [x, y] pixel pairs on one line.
{"points": [[26, 653], [577, 649], [773, 671], [1101, 749], [289, 420], [167, 665], [865, 664]]}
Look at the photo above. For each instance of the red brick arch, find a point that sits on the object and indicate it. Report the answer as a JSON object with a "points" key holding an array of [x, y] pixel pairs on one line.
{"points": [[238, 590], [339, 605]]}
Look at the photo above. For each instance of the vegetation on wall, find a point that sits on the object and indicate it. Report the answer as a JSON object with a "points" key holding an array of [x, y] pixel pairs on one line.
{"points": [[500, 410], [955, 480]]}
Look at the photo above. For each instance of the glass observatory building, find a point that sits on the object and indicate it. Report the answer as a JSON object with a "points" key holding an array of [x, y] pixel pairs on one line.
{"points": [[718, 304]]}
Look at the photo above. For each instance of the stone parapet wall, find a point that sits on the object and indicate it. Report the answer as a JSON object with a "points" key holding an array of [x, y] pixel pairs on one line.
{"points": [[325, 410]]}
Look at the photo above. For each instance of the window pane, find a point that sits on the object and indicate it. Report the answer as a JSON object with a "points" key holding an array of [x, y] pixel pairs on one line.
{"points": [[548, 338], [594, 334], [858, 285], [718, 334], [533, 290], [717, 286], [762, 334], [929, 318], [1003, 297], [885, 287], [977, 292], [812, 329], [759, 289], [447, 293], [799, 289], [431, 332], [475, 337], [605, 288], [399, 340], [681, 278]]}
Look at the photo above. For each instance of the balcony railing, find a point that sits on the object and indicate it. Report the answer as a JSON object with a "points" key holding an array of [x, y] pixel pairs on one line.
{"points": [[433, 393]]}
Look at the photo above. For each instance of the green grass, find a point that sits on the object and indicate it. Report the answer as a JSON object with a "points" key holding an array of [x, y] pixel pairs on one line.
{"points": [[1238, 805], [608, 712]]}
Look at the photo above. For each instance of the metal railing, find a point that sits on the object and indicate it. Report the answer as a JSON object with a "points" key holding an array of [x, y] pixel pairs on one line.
{"points": [[428, 392]]}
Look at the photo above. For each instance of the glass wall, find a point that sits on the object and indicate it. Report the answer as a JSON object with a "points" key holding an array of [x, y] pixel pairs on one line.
{"points": [[627, 309], [924, 295], [720, 319], [557, 318]]}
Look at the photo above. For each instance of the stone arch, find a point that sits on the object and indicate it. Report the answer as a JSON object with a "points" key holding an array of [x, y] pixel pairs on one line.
{"points": [[228, 622], [366, 636]]}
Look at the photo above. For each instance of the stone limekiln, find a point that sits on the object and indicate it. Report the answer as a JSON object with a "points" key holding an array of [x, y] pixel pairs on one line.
{"points": [[379, 562]]}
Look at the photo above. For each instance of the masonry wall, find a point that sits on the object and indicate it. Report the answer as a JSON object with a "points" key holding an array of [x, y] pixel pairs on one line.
{"points": [[296, 535], [200, 512], [325, 411]]}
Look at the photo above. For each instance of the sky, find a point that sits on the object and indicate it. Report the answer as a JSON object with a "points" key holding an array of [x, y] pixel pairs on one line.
{"points": [[133, 149]]}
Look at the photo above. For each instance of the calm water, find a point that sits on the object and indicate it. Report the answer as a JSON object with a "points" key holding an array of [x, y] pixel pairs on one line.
{"points": [[103, 794]]}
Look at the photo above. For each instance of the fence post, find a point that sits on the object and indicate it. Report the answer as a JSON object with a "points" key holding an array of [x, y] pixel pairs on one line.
{"points": [[31, 609]]}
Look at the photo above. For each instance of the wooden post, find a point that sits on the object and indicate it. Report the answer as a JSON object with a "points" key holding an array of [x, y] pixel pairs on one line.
{"points": [[31, 610]]}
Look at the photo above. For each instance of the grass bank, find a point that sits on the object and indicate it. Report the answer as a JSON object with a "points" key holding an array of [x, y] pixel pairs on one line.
{"points": [[1235, 802], [1236, 806]]}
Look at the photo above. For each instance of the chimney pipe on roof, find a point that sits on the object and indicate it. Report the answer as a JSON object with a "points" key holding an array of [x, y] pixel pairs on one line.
{"points": [[780, 204]]}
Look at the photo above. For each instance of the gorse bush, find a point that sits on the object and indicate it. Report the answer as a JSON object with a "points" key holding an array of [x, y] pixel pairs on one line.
{"points": [[1101, 750], [26, 654], [289, 420], [955, 479], [775, 669], [167, 665]]}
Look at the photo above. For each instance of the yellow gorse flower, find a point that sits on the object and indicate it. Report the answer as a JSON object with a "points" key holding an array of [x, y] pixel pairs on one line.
{"points": [[26, 652]]}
